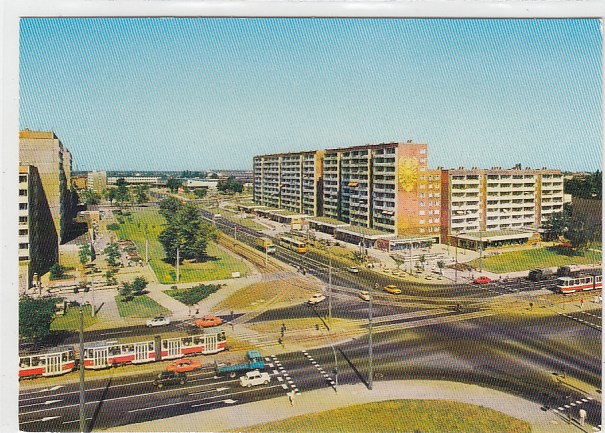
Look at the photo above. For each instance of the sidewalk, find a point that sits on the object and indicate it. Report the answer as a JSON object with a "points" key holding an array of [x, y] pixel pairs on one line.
{"points": [[239, 417]]}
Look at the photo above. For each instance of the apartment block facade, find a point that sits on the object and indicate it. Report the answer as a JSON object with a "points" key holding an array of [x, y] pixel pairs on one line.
{"points": [[52, 160], [97, 181], [496, 199], [386, 187], [290, 181], [38, 240]]}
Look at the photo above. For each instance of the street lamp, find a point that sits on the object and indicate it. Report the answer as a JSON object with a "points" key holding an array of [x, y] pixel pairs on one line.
{"points": [[82, 397], [370, 353]]}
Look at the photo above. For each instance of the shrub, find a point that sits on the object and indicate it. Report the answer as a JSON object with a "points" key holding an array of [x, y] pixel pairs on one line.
{"points": [[113, 226]]}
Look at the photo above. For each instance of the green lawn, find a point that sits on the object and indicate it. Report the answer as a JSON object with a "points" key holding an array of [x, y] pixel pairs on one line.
{"points": [[194, 294], [141, 307], [426, 416], [534, 258], [71, 320], [219, 266]]}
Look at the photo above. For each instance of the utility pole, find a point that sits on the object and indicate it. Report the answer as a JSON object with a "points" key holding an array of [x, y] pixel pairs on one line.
{"points": [[92, 286], [370, 354], [480, 252], [82, 403], [177, 265], [330, 292], [456, 267], [146, 250]]}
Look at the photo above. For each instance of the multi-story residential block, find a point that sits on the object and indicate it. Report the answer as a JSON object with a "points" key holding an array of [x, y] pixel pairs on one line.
{"points": [[386, 187], [290, 181], [97, 181], [151, 180], [495, 199], [45, 151], [38, 241]]}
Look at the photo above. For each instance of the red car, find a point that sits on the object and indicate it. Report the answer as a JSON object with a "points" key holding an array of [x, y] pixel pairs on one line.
{"points": [[208, 321], [184, 365], [482, 280]]}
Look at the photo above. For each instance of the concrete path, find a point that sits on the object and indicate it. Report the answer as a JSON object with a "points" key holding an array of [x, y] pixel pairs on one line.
{"points": [[237, 418]]}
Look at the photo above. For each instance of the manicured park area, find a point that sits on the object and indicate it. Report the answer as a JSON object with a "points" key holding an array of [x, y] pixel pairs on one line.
{"points": [[71, 320], [535, 258], [140, 307], [426, 416], [148, 224]]}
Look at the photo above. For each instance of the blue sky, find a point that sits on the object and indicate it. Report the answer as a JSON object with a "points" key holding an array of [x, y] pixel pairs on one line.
{"points": [[176, 94]]}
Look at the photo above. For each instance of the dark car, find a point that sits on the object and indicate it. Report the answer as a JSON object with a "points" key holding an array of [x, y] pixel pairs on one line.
{"points": [[170, 378]]}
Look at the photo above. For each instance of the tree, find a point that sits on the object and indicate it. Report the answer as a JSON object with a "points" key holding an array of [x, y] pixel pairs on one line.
{"points": [[122, 193], [35, 316], [186, 231], [230, 185], [201, 192], [111, 194], [588, 187], [56, 271], [110, 278], [85, 254], [169, 207], [557, 224], [112, 250], [173, 184], [138, 286], [89, 197], [141, 194], [441, 265], [126, 292], [213, 176], [399, 260], [577, 237]]}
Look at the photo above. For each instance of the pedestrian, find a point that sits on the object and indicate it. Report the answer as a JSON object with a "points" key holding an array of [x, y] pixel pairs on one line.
{"points": [[291, 398], [582, 414]]}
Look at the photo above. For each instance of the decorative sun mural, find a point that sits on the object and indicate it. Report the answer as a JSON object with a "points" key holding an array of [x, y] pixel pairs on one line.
{"points": [[408, 173]]}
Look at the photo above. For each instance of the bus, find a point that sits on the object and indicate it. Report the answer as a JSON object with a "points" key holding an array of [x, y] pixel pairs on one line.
{"points": [[104, 354], [293, 244], [52, 362], [579, 283]]}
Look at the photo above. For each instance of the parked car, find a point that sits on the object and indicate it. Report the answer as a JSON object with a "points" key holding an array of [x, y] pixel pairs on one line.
{"points": [[353, 269], [482, 280], [170, 378], [316, 299], [364, 294], [208, 321], [255, 377], [392, 289], [184, 365], [158, 321]]}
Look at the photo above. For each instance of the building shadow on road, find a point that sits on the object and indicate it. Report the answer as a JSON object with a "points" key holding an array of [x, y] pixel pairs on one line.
{"points": [[90, 426]]}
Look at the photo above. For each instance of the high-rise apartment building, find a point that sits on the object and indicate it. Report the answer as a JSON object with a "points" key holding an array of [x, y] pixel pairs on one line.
{"points": [[289, 181], [52, 160], [97, 181], [496, 199], [386, 186], [38, 242]]}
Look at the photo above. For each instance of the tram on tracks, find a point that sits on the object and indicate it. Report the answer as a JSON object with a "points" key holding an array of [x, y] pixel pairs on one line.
{"points": [[51, 362], [579, 283], [293, 244], [113, 353]]}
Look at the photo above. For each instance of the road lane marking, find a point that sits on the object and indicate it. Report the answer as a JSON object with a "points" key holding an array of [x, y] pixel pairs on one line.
{"points": [[46, 418], [75, 420], [46, 403]]}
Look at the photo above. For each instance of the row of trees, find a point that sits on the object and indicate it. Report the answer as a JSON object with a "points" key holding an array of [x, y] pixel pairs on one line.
{"points": [[588, 187], [185, 231]]}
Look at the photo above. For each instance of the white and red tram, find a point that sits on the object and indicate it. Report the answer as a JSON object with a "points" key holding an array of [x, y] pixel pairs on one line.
{"points": [[103, 354], [53, 362], [579, 283]]}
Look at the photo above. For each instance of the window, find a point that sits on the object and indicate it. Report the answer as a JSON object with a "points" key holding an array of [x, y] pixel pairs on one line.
{"points": [[421, 221], [422, 186], [22, 178], [22, 206], [430, 220], [421, 195], [422, 151], [23, 246], [421, 213], [23, 232], [421, 229], [422, 204], [436, 211], [430, 195], [23, 192]]}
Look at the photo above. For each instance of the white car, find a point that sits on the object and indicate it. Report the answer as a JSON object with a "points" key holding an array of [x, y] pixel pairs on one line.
{"points": [[316, 299], [255, 377], [353, 270], [158, 321]]}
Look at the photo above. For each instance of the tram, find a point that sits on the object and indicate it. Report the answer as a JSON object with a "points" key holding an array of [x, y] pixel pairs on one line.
{"points": [[53, 362], [579, 283], [293, 244], [104, 354]]}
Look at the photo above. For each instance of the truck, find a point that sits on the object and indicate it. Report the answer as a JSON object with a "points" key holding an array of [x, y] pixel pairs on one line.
{"points": [[255, 378], [539, 274], [253, 361], [265, 244]]}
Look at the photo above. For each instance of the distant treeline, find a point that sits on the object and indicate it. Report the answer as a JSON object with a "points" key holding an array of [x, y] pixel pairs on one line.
{"points": [[588, 187]]}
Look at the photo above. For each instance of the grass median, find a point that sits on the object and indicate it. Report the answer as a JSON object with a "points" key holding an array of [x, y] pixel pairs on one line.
{"points": [[140, 307], [426, 416]]}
